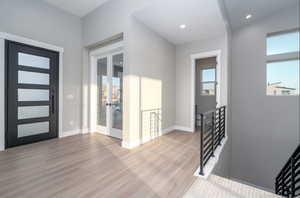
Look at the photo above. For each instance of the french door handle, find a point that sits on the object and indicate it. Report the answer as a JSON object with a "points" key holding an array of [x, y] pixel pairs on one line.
{"points": [[108, 104]]}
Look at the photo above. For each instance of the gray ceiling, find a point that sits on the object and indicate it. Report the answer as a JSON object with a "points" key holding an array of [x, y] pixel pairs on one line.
{"points": [[238, 9]]}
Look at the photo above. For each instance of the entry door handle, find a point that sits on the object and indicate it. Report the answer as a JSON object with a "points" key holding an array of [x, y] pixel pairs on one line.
{"points": [[52, 104]]}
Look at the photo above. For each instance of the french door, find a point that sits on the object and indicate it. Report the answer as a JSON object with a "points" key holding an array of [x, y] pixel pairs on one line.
{"points": [[31, 94], [110, 94]]}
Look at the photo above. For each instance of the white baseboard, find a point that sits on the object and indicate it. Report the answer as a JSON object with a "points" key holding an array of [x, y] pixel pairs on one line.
{"points": [[2, 148], [70, 133], [130, 145], [183, 128], [85, 131], [168, 130], [212, 162], [137, 143]]}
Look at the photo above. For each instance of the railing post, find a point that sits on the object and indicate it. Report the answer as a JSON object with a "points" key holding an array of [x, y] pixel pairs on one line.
{"points": [[224, 121], [201, 144], [213, 134], [219, 126], [196, 117], [157, 122], [292, 177], [276, 186]]}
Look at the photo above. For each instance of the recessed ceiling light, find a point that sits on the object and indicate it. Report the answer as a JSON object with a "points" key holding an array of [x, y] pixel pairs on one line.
{"points": [[248, 16], [182, 26]]}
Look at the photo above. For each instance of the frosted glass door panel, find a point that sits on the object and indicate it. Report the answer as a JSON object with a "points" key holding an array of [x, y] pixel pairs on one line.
{"points": [[33, 78], [33, 61], [33, 129], [33, 112], [33, 95]]}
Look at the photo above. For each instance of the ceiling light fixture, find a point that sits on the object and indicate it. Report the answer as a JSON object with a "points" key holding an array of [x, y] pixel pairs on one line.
{"points": [[182, 26], [248, 16]]}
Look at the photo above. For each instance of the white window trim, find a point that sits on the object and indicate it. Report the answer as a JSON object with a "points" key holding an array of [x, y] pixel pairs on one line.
{"points": [[6, 36], [288, 56]]}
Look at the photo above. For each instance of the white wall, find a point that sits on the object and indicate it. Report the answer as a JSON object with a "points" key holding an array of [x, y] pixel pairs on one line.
{"points": [[109, 19], [265, 129], [152, 78], [147, 56], [183, 75], [38, 21]]}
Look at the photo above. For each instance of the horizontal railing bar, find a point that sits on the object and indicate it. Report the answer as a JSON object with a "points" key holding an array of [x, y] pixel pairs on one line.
{"points": [[146, 110], [289, 161], [205, 161]]}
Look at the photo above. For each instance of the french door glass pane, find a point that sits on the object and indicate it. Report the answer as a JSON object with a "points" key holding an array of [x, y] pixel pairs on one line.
{"points": [[33, 61], [33, 129], [33, 112], [25, 77], [117, 91], [33, 95], [102, 82]]}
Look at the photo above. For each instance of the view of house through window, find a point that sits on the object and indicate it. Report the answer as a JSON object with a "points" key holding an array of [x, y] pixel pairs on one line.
{"points": [[283, 64], [208, 81]]}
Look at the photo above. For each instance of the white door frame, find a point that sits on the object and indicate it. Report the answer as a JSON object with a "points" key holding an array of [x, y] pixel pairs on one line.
{"points": [[6, 36], [94, 55], [220, 82]]}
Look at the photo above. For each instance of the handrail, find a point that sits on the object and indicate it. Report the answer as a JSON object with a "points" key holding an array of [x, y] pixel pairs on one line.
{"points": [[151, 121], [211, 136], [287, 182]]}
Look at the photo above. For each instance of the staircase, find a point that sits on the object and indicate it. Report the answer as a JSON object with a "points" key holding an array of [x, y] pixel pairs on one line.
{"points": [[287, 182], [219, 187]]}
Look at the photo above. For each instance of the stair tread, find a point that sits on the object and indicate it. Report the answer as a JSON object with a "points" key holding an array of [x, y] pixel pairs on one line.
{"points": [[219, 187]]}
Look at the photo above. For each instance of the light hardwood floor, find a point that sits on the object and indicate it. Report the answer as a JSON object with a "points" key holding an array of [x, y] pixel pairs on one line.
{"points": [[94, 165]]}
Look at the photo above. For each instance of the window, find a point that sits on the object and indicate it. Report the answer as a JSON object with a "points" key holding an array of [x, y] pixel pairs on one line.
{"points": [[283, 64], [208, 81], [283, 43]]}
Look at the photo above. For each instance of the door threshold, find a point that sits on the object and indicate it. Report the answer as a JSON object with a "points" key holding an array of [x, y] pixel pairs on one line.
{"points": [[110, 135]]}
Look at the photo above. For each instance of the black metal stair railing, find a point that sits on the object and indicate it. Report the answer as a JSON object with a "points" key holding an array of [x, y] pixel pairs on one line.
{"points": [[287, 182], [212, 132]]}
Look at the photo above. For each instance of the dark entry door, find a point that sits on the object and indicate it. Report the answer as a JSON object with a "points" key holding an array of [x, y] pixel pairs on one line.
{"points": [[31, 94]]}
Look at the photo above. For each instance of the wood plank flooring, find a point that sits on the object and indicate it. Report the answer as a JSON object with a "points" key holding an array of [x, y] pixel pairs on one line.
{"points": [[95, 165]]}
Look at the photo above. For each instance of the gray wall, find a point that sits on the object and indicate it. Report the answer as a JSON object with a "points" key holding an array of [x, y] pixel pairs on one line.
{"points": [[39, 21], [265, 129], [223, 167]]}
